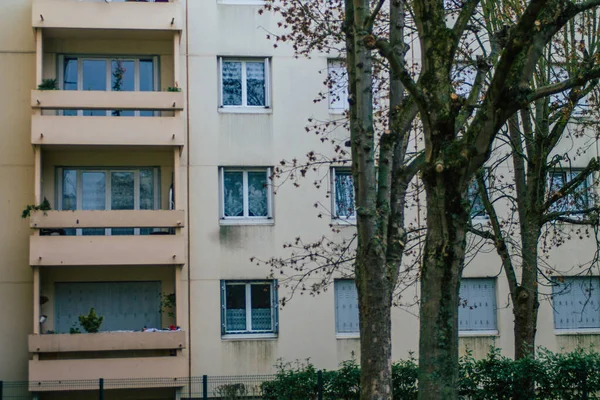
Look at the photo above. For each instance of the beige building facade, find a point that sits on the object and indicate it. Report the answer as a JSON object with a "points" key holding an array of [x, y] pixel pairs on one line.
{"points": [[151, 129]]}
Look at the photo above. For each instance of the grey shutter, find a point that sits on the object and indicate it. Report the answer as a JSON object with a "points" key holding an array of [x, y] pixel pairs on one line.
{"points": [[124, 305], [275, 307], [477, 310], [346, 306], [576, 303]]}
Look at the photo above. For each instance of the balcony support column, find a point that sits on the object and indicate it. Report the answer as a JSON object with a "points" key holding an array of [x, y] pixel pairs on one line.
{"points": [[178, 298], [177, 178], [39, 56], [176, 59], [36, 300], [37, 190]]}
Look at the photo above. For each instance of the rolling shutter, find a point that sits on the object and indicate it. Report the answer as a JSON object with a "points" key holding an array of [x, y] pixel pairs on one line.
{"points": [[346, 306]]}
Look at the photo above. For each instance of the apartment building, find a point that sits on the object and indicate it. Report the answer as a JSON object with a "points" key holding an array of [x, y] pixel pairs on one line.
{"points": [[154, 153]]}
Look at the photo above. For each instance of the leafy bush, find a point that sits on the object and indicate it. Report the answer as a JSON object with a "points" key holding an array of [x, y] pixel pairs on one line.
{"points": [[560, 376]]}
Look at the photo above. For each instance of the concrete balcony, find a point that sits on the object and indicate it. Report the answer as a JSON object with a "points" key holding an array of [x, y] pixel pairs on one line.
{"points": [[105, 130], [56, 375], [107, 341], [72, 18], [107, 250]]}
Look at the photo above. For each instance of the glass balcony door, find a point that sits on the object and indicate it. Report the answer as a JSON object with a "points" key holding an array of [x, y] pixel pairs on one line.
{"points": [[108, 74], [115, 189]]}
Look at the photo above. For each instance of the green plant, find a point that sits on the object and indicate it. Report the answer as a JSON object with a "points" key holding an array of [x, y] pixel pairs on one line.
{"points": [[91, 322], [173, 89], [44, 206], [168, 302], [231, 391], [74, 329], [48, 84]]}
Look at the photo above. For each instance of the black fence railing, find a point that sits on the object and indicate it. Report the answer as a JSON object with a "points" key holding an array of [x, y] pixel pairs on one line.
{"points": [[198, 387]]}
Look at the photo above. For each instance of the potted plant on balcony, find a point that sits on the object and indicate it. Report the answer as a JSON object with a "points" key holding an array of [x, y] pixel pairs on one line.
{"points": [[91, 322], [48, 84]]}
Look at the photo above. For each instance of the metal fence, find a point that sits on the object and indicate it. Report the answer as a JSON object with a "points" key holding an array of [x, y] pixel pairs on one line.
{"points": [[200, 387]]}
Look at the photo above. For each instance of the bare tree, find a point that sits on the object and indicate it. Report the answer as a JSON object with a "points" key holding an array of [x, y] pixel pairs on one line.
{"points": [[458, 136]]}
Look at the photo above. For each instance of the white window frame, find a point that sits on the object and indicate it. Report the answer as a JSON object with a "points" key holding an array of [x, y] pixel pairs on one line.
{"points": [[569, 174], [483, 332], [339, 106], [248, 302], [343, 335], [136, 73], [573, 281], [244, 108], [108, 191], [246, 219], [334, 215]]}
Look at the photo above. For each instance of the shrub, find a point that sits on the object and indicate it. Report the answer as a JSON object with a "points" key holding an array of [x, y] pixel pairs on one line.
{"points": [[560, 376]]}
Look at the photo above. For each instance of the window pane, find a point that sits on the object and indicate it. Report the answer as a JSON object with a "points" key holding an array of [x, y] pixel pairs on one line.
{"points": [[94, 78], [70, 74], [261, 307], [255, 83], [122, 197], [94, 190], [94, 75], [233, 194], [146, 75], [122, 191], [232, 83], [477, 207], [93, 196], [344, 194], [146, 189], [338, 91], [123, 78], [69, 190], [257, 194], [557, 181], [235, 308]]}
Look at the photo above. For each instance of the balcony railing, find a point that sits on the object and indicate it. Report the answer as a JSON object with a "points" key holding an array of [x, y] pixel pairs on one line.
{"points": [[107, 130], [59, 250], [106, 341], [101, 15]]}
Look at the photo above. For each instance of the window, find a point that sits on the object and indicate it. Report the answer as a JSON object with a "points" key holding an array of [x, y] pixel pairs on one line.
{"points": [[477, 305], [476, 207], [108, 74], [577, 200], [338, 85], [576, 302], [346, 307], [246, 194], [102, 189], [342, 193], [244, 83], [249, 307]]}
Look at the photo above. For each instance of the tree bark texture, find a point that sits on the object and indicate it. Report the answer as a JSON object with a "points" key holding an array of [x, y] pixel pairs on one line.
{"points": [[440, 281]]}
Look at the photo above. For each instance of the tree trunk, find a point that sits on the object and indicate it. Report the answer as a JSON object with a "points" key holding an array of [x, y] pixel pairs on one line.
{"points": [[526, 306], [374, 301], [440, 281]]}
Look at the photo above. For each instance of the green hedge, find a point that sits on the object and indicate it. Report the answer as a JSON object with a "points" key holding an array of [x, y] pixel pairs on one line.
{"points": [[558, 376]]}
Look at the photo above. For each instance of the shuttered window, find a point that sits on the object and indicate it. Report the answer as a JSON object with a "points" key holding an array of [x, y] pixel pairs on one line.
{"points": [[477, 307], [346, 306], [576, 302], [124, 305]]}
